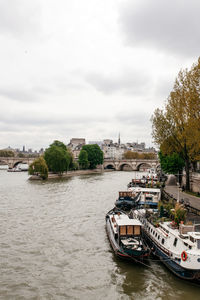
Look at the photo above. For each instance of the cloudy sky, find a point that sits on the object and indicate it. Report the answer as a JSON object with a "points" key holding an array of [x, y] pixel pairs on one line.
{"points": [[92, 68]]}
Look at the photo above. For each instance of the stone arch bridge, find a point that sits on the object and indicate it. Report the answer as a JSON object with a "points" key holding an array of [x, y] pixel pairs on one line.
{"points": [[115, 164], [131, 164], [14, 161]]}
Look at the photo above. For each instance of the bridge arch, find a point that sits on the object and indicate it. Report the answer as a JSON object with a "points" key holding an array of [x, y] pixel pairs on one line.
{"points": [[19, 162], [158, 167], [144, 165], [110, 166], [125, 165]]}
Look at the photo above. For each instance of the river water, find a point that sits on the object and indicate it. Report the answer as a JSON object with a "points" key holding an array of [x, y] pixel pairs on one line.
{"points": [[54, 245]]}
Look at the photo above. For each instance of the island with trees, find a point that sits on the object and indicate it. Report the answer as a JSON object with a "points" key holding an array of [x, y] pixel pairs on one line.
{"points": [[58, 161]]}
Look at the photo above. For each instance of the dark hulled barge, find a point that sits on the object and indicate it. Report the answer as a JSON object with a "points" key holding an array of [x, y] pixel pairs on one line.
{"points": [[125, 236]]}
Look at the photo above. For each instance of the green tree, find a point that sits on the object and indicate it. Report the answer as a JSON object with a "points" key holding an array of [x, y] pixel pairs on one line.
{"points": [[39, 166], [95, 155], [59, 144], [177, 127], [72, 164], [57, 157], [172, 164], [83, 159]]}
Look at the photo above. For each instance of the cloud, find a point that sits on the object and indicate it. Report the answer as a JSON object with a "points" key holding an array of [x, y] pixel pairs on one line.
{"points": [[38, 130], [136, 118], [39, 119], [165, 25], [17, 94], [19, 17], [125, 81]]}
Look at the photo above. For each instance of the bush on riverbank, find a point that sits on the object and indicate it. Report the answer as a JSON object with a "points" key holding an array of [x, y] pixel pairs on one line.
{"points": [[39, 167]]}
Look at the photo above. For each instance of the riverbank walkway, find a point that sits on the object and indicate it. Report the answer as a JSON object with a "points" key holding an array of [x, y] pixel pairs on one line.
{"points": [[172, 189]]}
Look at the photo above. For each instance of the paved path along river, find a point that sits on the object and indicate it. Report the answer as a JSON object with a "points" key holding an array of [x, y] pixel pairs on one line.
{"points": [[54, 245], [172, 188]]}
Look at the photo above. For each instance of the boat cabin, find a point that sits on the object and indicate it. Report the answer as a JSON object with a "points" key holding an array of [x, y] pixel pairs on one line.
{"points": [[138, 182], [194, 237], [124, 226], [127, 200], [126, 195], [149, 196]]}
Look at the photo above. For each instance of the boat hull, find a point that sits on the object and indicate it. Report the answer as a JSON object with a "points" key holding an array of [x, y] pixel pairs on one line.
{"points": [[186, 274]]}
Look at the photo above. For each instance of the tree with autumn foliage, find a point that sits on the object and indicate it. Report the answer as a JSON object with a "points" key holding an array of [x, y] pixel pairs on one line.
{"points": [[135, 155], [176, 128]]}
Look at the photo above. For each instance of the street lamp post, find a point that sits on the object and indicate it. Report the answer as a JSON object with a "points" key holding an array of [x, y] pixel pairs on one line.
{"points": [[178, 198]]}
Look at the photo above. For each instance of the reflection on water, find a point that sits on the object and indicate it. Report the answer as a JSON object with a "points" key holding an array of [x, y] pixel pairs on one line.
{"points": [[54, 244]]}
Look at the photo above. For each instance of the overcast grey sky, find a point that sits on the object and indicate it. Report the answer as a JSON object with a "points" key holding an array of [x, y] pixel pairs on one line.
{"points": [[92, 68]]}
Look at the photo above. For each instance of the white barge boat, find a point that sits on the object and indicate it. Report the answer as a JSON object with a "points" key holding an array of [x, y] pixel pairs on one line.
{"points": [[177, 248]]}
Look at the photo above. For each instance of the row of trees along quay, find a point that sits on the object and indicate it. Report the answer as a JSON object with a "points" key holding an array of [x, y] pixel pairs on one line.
{"points": [[58, 158], [176, 127]]}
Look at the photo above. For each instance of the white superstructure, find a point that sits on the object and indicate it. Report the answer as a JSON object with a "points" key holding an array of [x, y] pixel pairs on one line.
{"points": [[181, 246]]}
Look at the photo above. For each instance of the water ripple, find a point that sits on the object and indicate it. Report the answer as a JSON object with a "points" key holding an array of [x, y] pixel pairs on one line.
{"points": [[54, 245]]}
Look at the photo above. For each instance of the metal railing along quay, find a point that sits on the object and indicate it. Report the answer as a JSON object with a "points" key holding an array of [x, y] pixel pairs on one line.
{"points": [[185, 202]]}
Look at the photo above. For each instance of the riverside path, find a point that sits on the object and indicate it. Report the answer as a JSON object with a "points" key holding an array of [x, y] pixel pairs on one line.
{"points": [[172, 189]]}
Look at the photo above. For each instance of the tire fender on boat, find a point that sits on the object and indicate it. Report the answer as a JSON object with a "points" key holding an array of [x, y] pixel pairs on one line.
{"points": [[184, 256]]}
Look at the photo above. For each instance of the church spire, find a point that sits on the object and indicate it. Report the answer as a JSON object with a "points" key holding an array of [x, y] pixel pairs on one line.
{"points": [[119, 139]]}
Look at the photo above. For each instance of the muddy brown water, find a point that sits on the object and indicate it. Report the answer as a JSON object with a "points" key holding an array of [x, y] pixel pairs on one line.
{"points": [[53, 243]]}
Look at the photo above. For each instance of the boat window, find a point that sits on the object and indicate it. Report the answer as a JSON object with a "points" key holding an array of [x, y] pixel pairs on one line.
{"points": [[192, 239], [136, 230], [178, 259], [122, 230], [190, 247], [158, 237], [162, 241], [130, 230], [186, 244], [156, 234], [175, 242]]}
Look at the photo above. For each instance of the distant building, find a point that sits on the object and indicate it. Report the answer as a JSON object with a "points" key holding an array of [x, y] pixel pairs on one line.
{"points": [[74, 142], [107, 142], [41, 151], [75, 145]]}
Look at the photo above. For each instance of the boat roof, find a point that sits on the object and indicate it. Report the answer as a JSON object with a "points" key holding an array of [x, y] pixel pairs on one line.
{"points": [[125, 220], [148, 190], [194, 234]]}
